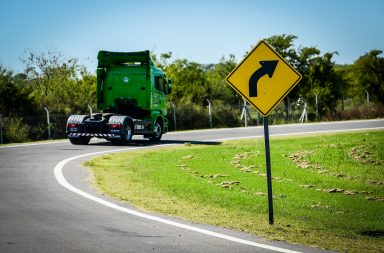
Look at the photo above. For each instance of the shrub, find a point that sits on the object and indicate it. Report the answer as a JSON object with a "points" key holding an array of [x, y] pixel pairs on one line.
{"points": [[14, 130], [364, 111]]}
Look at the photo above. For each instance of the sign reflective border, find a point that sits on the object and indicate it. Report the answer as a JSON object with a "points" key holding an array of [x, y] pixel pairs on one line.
{"points": [[263, 78]]}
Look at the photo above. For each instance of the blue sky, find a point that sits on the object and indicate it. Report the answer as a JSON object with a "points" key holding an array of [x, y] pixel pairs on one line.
{"points": [[201, 31]]}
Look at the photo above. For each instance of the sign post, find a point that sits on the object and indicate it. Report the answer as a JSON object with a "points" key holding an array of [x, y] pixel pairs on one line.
{"points": [[264, 78], [268, 169]]}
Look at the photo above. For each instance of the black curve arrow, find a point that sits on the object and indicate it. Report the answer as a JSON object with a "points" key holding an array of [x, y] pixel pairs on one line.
{"points": [[267, 68]]}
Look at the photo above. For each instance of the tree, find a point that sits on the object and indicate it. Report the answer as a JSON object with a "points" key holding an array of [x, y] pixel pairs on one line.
{"points": [[216, 77], [328, 84], [14, 100], [60, 84], [188, 80], [283, 44], [368, 72], [307, 56], [163, 61], [7, 90]]}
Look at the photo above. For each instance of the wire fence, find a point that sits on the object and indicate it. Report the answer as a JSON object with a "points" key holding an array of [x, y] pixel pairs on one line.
{"points": [[185, 117]]}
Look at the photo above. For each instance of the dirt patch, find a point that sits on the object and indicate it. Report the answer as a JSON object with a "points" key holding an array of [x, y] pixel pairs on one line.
{"points": [[319, 206], [375, 198], [334, 190], [300, 159], [187, 157], [362, 155], [236, 161], [228, 184], [307, 186], [377, 182]]}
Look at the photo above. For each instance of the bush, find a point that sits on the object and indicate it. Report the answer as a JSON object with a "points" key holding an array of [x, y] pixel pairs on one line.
{"points": [[190, 116], [14, 130], [224, 115], [364, 111]]}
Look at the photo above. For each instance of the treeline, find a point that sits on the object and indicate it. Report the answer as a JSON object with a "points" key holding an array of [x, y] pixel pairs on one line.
{"points": [[50, 81], [341, 90], [64, 87]]}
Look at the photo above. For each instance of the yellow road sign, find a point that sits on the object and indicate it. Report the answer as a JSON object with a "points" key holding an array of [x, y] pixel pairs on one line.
{"points": [[263, 78]]}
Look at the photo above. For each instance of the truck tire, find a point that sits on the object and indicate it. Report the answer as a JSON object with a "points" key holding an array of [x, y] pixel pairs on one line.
{"points": [[127, 136], [158, 131]]}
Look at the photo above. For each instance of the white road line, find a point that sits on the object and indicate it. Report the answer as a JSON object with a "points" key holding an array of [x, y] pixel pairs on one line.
{"points": [[58, 172], [301, 133]]}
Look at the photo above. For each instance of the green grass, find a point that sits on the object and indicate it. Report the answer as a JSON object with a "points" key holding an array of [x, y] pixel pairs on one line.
{"points": [[328, 189]]}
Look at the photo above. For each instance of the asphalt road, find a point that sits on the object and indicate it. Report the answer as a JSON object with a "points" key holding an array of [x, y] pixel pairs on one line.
{"points": [[47, 203]]}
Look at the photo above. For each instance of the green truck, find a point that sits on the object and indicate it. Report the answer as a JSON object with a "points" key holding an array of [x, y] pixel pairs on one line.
{"points": [[132, 97]]}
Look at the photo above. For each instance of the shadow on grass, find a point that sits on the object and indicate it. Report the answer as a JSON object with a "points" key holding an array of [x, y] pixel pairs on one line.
{"points": [[147, 143], [373, 233]]}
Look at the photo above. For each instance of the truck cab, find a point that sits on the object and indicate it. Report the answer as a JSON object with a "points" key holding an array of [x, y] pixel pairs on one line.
{"points": [[132, 97]]}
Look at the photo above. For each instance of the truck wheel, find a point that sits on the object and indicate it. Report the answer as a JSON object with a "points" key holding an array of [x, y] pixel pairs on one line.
{"points": [[127, 137], [158, 131]]}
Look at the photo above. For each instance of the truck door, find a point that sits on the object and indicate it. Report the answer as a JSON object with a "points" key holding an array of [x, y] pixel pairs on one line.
{"points": [[160, 94]]}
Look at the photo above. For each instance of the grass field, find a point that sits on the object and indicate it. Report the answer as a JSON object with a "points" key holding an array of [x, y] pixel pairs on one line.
{"points": [[328, 189]]}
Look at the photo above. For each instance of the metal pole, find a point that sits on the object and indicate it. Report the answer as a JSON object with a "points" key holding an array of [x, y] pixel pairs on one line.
{"points": [[210, 114], [244, 113], [268, 168], [90, 111], [289, 108], [306, 111], [301, 120], [317, 106], [174, 114], [48, 123]]}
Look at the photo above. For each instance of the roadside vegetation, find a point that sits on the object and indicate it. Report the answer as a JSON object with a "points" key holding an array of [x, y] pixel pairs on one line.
{"points": [[328, 189], [64, 86]]}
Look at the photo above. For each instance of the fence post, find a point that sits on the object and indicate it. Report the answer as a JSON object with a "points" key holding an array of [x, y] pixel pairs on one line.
{"points": [[306, 111], [209, 111], [174, 114], [245, 113], [48, 123], [304, 115], [317, 106]]}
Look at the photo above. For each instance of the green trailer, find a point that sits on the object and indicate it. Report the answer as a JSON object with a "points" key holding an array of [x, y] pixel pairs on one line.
{"points": [[132, 97]]}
